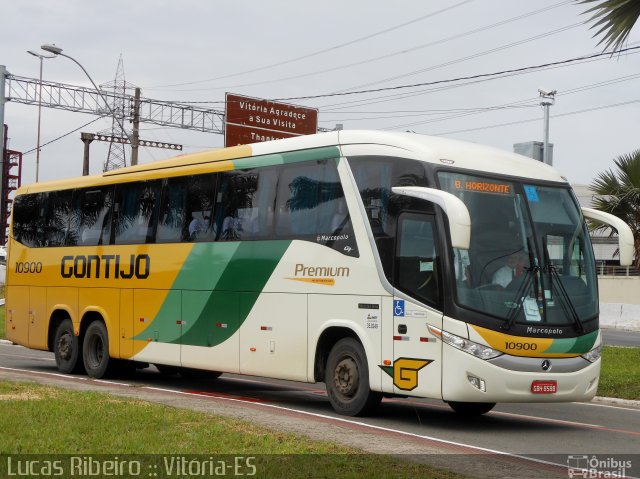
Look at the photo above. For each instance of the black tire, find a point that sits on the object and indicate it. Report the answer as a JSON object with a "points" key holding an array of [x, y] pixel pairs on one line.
{"points": [[471, 408], [347, 380], [95, 351], [191, 373], [66, 348]]}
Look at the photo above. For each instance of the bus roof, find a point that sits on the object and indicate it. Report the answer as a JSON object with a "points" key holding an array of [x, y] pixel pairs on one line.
{"points": [[437, 150]]}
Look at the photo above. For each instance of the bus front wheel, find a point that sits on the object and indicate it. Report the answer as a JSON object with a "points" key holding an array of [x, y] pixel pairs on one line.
{"points": [[95, 350], [471, 408], [347, 380], [66, 348]]}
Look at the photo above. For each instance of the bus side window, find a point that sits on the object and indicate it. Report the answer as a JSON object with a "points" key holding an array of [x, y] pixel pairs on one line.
{"points": [[173, 212], [57, 218], [28, 221], [135, 212], [417, 262], [244, 205], [375, 176], [310, 206], [200, 193], [91, 218]]}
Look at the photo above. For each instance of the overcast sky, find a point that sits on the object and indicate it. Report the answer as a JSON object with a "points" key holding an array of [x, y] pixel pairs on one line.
{"points": [[198, 50]]}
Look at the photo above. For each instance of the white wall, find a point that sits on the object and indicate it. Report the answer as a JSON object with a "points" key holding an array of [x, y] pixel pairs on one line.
{"points": [[619, 289], [620, 302]]}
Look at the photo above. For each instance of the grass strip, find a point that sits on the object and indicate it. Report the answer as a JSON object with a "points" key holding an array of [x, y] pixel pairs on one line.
{"points": [[620, 373], [46, 420]]}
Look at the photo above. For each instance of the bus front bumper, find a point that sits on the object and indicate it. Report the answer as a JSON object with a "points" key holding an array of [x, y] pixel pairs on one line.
{"points": [[464, 376]]}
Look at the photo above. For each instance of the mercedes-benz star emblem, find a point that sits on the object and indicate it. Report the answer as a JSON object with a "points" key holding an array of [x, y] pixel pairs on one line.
{"points": [[546, 365]]}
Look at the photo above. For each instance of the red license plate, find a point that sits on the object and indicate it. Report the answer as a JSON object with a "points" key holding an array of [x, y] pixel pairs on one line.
{"points": [[544, 387]]}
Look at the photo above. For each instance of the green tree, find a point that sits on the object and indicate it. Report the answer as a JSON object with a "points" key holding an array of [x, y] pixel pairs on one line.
{"points": [[614, 20], [618, 193]]}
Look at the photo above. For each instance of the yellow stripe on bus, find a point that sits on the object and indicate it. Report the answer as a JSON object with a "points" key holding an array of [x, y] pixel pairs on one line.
{"points": [[519, 345]]}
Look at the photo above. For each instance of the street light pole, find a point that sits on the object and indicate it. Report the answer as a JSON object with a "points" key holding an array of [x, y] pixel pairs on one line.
{"points": [[547, 99], [58, 51], [41, 57]]}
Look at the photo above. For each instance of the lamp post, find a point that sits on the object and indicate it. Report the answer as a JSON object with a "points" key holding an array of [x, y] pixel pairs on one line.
{"points": [[41, 57], [547, 99], [58, 51]]}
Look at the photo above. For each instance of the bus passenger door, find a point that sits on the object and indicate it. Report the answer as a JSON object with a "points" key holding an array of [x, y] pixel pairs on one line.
{"points": [[416, 352]]}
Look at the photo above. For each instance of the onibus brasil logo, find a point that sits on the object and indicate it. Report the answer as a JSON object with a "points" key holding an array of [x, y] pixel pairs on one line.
{"points": [[596, 467]]}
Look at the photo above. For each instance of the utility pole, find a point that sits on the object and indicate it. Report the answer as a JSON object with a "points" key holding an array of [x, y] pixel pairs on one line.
{"points": [[135, 139], [547, 99], [86, 138], [3, 74], [41, 58]]}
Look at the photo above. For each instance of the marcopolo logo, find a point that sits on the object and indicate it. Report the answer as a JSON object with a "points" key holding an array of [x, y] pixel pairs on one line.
{"points": [[324, 275], [106, 266]]}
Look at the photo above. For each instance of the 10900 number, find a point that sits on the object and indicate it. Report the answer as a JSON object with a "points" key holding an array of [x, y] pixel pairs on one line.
{"points": [[520, 346], [29, 267]]}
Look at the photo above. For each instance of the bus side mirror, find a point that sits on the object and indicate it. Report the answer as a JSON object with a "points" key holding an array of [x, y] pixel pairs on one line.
{"points": [[625, 235], [455, 209]]}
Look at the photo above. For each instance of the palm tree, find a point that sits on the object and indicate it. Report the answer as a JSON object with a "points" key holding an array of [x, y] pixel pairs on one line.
{"points": [[619, 194], [614, 18]]}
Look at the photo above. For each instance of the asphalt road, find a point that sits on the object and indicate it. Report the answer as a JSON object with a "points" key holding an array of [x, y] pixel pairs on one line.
{"points": [[617, 337], [540, 437]]}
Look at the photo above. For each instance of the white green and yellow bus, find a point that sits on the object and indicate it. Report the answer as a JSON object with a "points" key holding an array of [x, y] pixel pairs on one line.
{"points": [[381, 264]]}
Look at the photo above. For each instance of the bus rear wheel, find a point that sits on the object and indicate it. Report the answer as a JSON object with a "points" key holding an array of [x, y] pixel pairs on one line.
{"points": [[95, 350], [66, 348], [471, 408], [347, 380]]}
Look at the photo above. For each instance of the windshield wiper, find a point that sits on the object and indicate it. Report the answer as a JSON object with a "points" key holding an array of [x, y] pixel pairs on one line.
{"points": [[519, 302], [564, 296], [530, 275]]}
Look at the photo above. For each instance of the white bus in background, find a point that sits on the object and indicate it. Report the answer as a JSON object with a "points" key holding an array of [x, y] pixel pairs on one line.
{"points": [[3, 265], [382, 264]]}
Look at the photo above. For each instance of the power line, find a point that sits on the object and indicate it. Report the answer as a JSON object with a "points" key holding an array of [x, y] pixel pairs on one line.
{"points": [[408, 50], [519, 102], [62, 136], [452, 80], [401, 96], [459, 111], [484, 76], [471, 57], [319, 52], [576, 112]]}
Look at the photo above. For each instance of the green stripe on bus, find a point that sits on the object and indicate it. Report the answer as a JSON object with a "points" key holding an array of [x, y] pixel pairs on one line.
{"points": [[324, 153], [580, 345], [220, 283]]}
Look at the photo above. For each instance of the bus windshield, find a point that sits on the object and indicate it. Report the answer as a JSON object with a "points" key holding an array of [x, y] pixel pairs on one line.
{"points": [[530, 260]]}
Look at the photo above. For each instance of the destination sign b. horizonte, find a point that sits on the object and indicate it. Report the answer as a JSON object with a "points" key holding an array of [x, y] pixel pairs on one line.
{"points": [[251, 120]]}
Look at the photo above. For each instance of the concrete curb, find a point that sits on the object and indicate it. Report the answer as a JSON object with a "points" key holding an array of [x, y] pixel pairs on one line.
{"points": [[616, 402]]}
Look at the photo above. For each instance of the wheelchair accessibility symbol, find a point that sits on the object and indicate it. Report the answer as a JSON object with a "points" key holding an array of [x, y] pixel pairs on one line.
{"points": [[398, 307]]}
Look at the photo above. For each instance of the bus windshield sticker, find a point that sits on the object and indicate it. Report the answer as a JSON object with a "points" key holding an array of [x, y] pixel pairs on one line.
{"points": [[483, 186], [532, 193]]}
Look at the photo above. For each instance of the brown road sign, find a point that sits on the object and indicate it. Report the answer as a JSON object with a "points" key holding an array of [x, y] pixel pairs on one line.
{"points": [[251, 120]]}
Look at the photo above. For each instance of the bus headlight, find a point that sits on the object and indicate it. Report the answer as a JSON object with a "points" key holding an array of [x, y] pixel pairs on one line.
{"points": [[466, 345], [593, 355]]}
